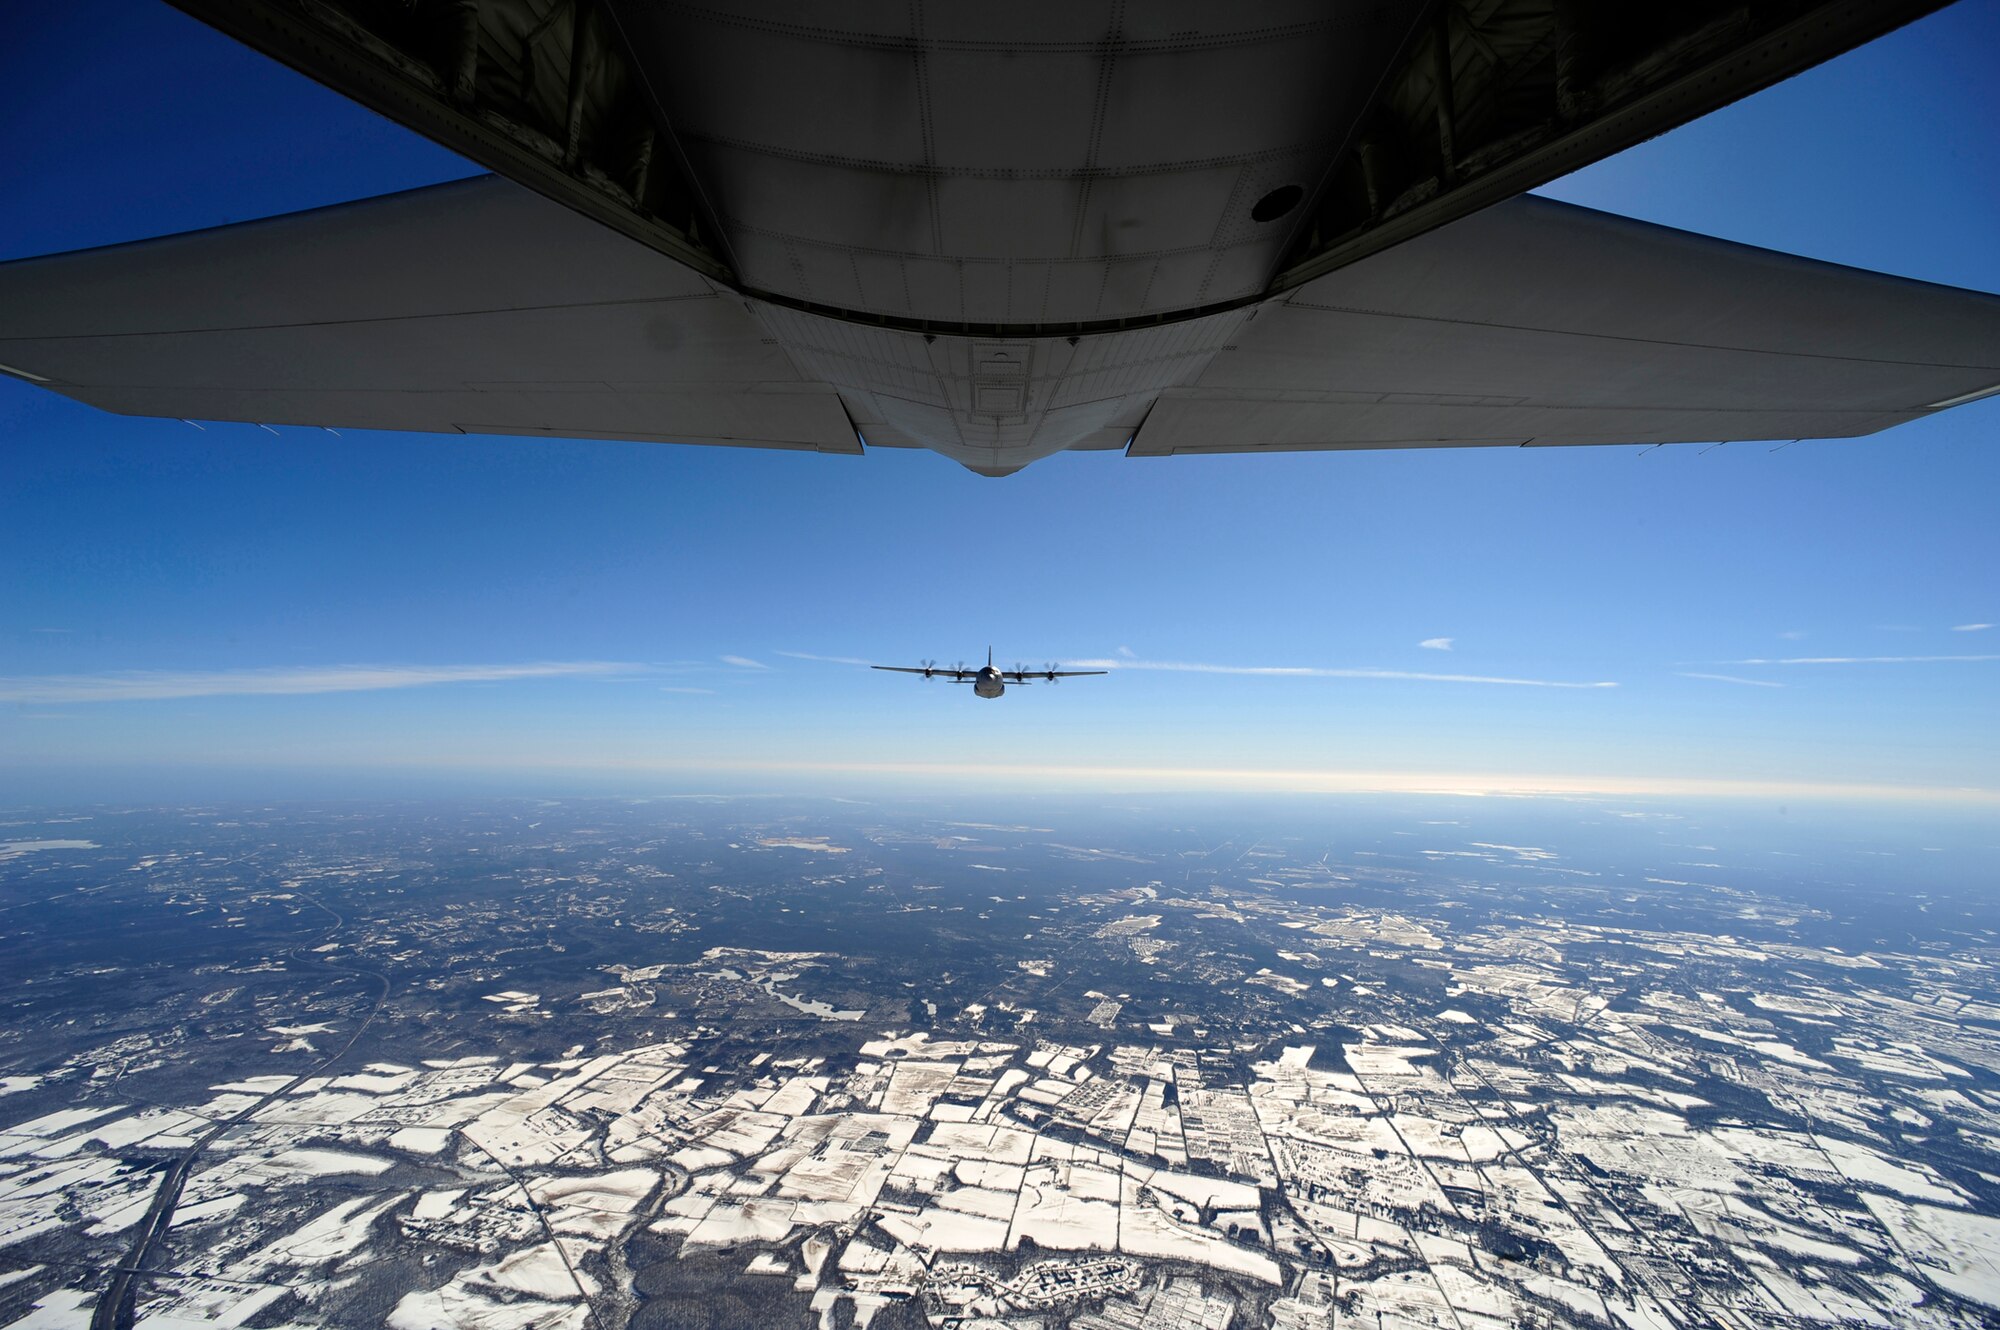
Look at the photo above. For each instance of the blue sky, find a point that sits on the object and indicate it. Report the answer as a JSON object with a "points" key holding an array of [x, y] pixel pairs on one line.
{"points": [[178, 598]]}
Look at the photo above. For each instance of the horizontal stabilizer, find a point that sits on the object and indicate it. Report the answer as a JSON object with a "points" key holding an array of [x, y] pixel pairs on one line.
{"points": [[1536, 322], [471, 307]]}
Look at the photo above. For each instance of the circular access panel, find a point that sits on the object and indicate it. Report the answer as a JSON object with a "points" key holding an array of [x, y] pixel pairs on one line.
{"points": [[1277, 203]]}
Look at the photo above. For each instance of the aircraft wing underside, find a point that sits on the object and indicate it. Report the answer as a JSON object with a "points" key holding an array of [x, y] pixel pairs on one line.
{"points": [[480, 307]]}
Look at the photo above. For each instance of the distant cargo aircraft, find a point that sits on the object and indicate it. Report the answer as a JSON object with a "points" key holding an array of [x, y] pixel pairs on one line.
{"points": [[1001, 231], [986, 681]]}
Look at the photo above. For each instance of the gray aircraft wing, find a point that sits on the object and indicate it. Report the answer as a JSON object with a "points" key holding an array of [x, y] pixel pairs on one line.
{"points": [[1049, 676], [472, 307], [949, 676], [1537, 322]]}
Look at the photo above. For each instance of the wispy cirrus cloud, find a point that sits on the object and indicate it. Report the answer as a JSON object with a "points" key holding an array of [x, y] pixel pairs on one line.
{"points": [[675, 688], [1436, 643], [824, 660], [1730, 678], [1971, 627], [744, 663], [1322, 672], [1858, 660], [292, 681]]}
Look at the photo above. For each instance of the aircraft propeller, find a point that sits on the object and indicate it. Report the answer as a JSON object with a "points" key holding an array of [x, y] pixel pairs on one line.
{"points": [[930, 668]]}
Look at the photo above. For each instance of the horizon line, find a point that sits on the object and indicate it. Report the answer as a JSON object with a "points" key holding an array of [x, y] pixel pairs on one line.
{"points": [[1111, 779]]}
